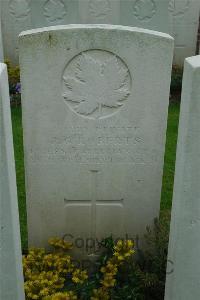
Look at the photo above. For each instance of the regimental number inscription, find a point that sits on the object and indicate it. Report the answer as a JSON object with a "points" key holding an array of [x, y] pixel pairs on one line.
{"points": [[96, 84], [54, 11], [144, 10]]}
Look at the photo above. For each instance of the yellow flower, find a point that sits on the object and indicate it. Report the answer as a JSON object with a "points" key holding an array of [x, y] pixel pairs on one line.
{"points": [[44, 292], [60, 243], [79, 276], [123, 250], [109, 271], [44, 284], [63, 296], [110, 268], [108, 281], [45, 274]]}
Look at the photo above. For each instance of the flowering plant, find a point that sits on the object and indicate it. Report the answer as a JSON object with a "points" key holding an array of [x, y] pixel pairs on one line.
{"points": [[14, 82], [53, 276]]}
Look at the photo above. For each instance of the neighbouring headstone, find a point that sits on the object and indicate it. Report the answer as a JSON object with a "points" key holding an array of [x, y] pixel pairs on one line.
{"points": [[11, 279], [182, 281], [198, 39], [95, 101], [185, 22], [150, 14], [1, 41], [16, 17], [176, 17], [99, 11], [53, 12]]}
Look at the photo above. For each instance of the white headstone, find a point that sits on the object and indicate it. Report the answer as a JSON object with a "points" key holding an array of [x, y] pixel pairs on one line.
{"points": [[184, 268], [176, 17], [95, 100], [16, 17], [1, 41], [185, 23], [53, 12], [99, 11], [150, 14], [11, 279]]}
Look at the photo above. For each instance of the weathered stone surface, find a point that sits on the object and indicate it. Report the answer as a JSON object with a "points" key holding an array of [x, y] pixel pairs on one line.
{"points": [[99, 12], [176, 17], [185, 22], [184, 247], [16, 17], [1, 41], [11, 280], [95, 102], [150, 14], [51, 12]]}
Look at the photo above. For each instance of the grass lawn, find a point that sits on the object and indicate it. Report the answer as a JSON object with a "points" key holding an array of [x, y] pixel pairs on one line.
{"points": [[170, 156], [168, 168], [19, 163]]}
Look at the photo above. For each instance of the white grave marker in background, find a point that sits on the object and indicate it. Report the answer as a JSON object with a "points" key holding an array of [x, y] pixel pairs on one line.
{"points": [[1, 41], [185, 23], [11, 279], [176, 17], [184, 247]]}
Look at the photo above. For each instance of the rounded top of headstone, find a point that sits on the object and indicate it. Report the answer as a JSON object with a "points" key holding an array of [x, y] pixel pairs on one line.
{"points": [[59, 28], [194, 61]]}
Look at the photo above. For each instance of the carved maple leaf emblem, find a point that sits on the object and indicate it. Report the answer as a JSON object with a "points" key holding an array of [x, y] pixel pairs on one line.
{"points": [[20, 9], [144, 9], [54, 10], [99, 8], [178, 9], [97, 84]]}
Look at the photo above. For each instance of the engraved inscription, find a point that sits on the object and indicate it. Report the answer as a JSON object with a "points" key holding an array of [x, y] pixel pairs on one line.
{"points": [[96, 84], [99, 9], [54, 11], [179, 8], [144, 10], [103, 145], [20, 9]]}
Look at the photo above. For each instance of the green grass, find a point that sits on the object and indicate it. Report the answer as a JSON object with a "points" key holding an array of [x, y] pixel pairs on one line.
{"points": [[19, 163], [170, 156], [168, 176]]}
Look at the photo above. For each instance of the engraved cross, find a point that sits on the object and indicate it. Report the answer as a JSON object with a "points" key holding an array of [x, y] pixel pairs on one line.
{"points": [[93, 202]]}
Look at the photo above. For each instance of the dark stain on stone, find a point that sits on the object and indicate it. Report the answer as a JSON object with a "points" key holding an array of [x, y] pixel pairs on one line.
{"points": [[50, 39]]}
